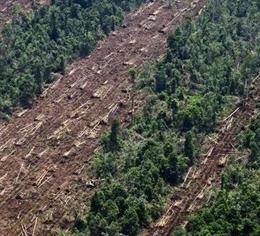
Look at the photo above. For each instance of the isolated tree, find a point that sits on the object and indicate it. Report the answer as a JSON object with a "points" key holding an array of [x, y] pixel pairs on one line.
{"points": [[133, 75], [160, 81], [114, 140], [26, 90], [62, 65], [189, 147], [174, 107], [130, 223]]}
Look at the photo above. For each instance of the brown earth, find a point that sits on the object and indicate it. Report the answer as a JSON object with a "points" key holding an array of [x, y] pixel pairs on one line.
{"points": [[206, 173], [45, 151]]}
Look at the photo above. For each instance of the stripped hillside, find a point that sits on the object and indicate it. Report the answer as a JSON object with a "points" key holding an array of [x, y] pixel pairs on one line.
{"points": [[234, 207], [203, 86], [45, 150], [36, 44]]}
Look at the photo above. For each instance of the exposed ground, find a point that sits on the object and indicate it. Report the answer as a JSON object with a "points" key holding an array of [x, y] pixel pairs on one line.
{"points": [[45, 151], [206, 173]]}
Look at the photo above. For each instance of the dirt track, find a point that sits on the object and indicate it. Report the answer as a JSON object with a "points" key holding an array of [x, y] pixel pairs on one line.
{"points": [[206, 173], [44, 151]]}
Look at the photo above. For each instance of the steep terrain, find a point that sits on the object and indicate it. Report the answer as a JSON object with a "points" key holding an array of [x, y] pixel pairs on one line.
{"points": [[45, 150]]}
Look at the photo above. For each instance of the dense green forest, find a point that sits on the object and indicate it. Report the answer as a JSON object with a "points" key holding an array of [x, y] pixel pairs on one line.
{"points": [[234, 209], [32, 46], [209, 62]]}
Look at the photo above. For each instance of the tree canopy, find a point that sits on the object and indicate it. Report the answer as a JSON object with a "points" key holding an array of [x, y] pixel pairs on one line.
{"points": [[44, 41], [207, 62]]}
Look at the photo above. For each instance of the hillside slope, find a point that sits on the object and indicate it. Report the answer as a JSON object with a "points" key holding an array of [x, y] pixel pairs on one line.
{"points": [[45, 149]]}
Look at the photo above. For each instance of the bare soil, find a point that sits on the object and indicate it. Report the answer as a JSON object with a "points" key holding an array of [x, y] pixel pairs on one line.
{"points": [[45, 151]]}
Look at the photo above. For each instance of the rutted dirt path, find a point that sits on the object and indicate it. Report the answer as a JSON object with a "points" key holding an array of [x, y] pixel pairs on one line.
{"points": [[44, 151], [206, 173]]}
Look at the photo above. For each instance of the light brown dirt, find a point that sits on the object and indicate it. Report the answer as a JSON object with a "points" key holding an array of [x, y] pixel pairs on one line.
{"points": [[45, 151]]}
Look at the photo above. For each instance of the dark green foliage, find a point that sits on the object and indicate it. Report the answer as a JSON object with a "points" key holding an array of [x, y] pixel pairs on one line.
{"points": [[205, 64], [44, 41], [189, 147], [251, 140], [234, 209], [114, 143], [231, 211]]}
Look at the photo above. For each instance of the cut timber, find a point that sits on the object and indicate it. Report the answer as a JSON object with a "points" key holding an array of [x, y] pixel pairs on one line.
{"points": [[24, 232], [95, 123], [30, 153], [93, 133], [45, 92], [78, 143], [152, 18], [26, 128], [55, 85], [102, 91], [186, 177], [155, 13], [41, 154], [109, 55], [20, 171], [69, 153], [20, 114], [83, 86], [132, 42], [223, 161], [3, 178], [111, 112], [90, 184], [40, 179], [201, 10], [144, 49], [184, 9], [210, 152], [229, 123], [9, 143], [178, 203], [7, 156], [72, 71], [81, 109], [34, 130], [20, 142], [35, 226], [149, 25], [72, 95], [131, 62], [196, 174], [232, 114], [3, 130], [60, 98], [40, 117]]}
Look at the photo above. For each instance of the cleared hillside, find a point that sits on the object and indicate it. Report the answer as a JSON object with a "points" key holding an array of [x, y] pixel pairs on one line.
{"points": [[45, 150]]}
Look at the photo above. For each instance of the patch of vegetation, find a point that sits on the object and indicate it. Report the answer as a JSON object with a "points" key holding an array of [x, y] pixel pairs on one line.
{"points": [[234, 208], [32, 46], [207, 61]]}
